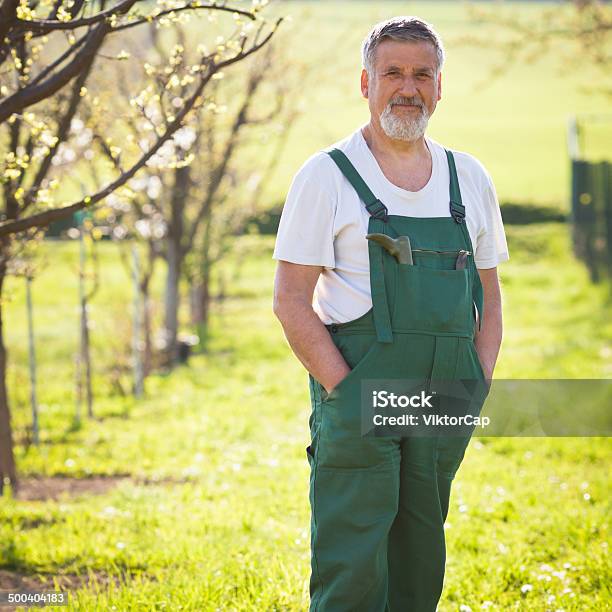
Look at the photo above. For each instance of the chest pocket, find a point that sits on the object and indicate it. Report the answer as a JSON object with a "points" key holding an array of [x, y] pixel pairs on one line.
{"points": [[432, 296]]}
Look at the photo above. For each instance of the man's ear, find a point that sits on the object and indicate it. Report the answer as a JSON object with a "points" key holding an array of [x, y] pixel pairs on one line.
{"points": [[439, 86], [364, 83]]}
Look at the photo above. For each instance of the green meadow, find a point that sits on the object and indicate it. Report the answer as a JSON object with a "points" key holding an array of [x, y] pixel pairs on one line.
{"points": [[210, 509], [515, 123], [202, 496]]}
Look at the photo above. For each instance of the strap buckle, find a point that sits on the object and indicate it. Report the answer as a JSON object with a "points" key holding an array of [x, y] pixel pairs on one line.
{"points": [[457, 211], [378, 210]]}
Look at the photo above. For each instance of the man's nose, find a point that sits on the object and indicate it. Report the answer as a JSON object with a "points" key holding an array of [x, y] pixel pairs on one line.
{"points": [[408, 87]]}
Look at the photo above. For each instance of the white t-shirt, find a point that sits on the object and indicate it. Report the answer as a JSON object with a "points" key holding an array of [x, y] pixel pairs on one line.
{"points": [[324, 222]]}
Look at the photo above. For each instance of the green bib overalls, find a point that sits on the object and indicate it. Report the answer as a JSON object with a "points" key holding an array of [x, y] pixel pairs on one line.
{"points": [[378, 504]]}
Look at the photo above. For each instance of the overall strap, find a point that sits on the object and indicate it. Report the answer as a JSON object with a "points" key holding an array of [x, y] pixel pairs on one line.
{"points": [[457, 210], [378, 223], [372, 204]]}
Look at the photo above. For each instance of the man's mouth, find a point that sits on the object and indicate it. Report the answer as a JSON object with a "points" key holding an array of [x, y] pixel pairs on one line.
{"points": [[409, 106]]}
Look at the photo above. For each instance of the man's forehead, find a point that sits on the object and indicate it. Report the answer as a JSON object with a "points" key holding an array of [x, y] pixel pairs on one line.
{"points": [[406, 53]]}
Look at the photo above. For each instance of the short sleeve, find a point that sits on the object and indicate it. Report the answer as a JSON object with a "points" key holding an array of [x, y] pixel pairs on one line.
{"points": [[491, 248], [306, 229]]}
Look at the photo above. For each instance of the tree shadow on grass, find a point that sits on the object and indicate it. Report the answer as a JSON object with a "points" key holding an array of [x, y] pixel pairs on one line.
{"points": [[46, 488]]}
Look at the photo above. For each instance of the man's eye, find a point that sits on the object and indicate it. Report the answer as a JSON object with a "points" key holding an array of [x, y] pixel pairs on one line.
{"points": [[392, 73]]}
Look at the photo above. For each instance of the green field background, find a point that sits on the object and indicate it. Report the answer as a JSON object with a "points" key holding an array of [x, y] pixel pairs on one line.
{"points": [[514, 123], [207, 503]]}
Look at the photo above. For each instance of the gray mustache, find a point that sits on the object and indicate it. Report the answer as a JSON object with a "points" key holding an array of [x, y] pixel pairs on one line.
{"points": [[404, 100]]}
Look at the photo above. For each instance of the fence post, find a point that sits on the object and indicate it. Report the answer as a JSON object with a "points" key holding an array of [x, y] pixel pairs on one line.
{"points": [[583, 216], [591, 207], [607, 198]]}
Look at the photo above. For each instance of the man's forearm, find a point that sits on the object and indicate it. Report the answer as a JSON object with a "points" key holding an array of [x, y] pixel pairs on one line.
{"points": [[311, 342], [488, 339]]}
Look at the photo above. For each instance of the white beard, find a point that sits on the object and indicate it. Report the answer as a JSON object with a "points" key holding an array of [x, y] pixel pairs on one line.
{"points": [[403, 128]]}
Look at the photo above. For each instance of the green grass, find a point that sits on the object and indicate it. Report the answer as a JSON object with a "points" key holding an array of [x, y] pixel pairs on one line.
{"points": [[234, 425]]}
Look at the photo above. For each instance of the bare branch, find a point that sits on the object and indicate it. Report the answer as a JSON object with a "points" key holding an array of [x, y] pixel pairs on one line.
{"points": [[219, 171], [53, 65], [39, 26], [36, 90], [73, 10], [8, 14], [30, 95], [49, 25], [107, 151], [48, 216], [187, 7], [62, 132]]}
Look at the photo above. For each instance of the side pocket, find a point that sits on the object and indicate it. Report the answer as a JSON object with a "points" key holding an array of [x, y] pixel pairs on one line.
{"points": [[310, 454], [311, 449], [353, 374], [323, 394]]}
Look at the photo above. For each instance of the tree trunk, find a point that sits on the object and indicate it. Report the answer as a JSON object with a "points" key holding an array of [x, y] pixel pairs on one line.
{"points": [[7, 457], [87, 359], [84, 369], [200, 297], [174, 259], [172, 300], [201, 288], [147, 358], [137, 326], [147, 309], [32, 351], [200, 309]]}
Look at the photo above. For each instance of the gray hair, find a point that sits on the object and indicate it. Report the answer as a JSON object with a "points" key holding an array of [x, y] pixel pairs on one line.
{"points": [[411, 29]]}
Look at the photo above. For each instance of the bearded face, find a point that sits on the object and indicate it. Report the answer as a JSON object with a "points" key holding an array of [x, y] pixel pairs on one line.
{"points": [[403, 87]]}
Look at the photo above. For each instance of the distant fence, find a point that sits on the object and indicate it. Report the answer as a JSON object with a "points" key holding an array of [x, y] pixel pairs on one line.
{"points": [[591, 209]]}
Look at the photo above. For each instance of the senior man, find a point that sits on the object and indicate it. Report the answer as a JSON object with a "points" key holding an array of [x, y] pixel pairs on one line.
{"points": [[352, 309]]}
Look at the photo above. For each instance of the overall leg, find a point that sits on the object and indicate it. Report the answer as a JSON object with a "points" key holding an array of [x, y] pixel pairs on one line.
{"points": [[354, 489], [417, 552], [353, 511], [417, 549], [451, 449]]}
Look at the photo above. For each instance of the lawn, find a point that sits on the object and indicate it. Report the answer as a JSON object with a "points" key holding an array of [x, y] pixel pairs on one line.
{"points": [[209, 508]]}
